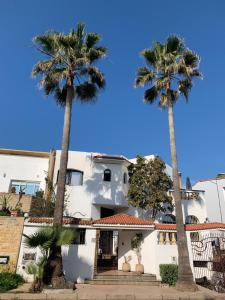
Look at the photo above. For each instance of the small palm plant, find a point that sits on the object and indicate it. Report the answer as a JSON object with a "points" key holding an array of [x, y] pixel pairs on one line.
{"points": [[49, 240], [37, 270], [169, 73]]}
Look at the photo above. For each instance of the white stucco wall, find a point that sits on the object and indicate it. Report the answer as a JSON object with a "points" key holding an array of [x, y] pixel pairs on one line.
{"points": [[147, 250], [85, 200], [195, 208], [78, 260], [24, 168], [213, 198]]}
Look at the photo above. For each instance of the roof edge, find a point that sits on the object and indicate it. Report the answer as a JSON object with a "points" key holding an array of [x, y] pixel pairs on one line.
{"points": [[24, 152]]}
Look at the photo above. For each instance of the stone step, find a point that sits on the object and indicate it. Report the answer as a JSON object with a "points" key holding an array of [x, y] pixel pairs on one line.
{"points": [[123, 282], [144, 277]]}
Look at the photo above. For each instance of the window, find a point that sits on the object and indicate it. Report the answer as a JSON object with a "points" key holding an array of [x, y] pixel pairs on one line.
{"points": [[80, 237], [191, 220], [74, 177], [107, 175], [24, 187], [168, 219], [194, 236], [125, 178]]}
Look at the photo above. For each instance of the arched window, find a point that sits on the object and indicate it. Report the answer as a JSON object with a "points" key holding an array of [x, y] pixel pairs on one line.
{"points": [[168, 219], [107, 175], [124, 177], [74, 177], [191, 220]]}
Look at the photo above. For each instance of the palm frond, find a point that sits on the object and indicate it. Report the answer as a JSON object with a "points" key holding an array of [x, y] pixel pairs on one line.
{"points": [[151, 95], [95, 76], [149, 56], [46, 42], [92, 39], [174, 44], [60, 95], [86, 92], [144, 76], [66, 236], [96, 53], [184, 87], [191, 59], [41, 238]]}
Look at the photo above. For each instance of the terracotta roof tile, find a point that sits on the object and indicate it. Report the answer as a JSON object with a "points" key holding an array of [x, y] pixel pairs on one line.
{"points": [[123, 219], [66, 221], [190, 227]]}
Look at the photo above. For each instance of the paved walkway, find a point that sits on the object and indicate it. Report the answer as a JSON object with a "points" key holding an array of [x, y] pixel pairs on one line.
{"points": [[119, 292]]}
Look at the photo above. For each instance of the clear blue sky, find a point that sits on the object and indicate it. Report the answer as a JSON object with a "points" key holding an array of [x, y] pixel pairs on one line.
{"points": [[119, 123]]}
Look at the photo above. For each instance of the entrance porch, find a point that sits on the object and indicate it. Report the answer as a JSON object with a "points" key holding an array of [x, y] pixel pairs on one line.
{"points": [[113, 243]]}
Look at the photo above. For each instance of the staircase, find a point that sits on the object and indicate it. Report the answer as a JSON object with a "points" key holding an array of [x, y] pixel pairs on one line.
{"points": [[120, 278]]}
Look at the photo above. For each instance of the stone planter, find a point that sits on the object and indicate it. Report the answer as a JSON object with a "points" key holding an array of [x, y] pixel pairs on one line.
{"points": [[126, 267], [139, 268]]}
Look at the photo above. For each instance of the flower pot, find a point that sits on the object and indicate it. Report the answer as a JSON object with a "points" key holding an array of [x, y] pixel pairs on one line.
{"points": [[14, 213], [139, 268], [126, 267]]}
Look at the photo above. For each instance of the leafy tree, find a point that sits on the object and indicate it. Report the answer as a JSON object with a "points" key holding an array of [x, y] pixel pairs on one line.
{"points": [[170, 69], [149, 185], [49, 240], [68, 73]]}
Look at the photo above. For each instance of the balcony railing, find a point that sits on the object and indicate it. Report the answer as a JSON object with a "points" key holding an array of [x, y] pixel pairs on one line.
{"points": [[167, 238], [188, 195]]}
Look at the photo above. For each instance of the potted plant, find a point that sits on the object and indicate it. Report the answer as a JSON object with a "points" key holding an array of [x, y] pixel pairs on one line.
{"points": [[126, 265], [136, 247]]}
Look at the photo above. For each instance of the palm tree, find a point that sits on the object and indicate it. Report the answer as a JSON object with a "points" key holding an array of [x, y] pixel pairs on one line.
{"points": [[49, 240], [170, 69], [68, 72]]}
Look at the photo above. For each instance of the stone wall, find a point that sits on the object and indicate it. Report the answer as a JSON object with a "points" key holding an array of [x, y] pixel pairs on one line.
{"points": [[11, 230]]}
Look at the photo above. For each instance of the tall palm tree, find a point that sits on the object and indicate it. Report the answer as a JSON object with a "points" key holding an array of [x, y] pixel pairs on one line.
{"points": [[170, 69], [68, 73]]}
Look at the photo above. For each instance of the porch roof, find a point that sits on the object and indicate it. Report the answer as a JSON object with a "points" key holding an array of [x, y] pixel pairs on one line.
{"points": [[123, 221]]}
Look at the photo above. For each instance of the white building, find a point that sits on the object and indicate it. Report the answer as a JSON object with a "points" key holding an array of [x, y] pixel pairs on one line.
{"points": [[97, 207]]}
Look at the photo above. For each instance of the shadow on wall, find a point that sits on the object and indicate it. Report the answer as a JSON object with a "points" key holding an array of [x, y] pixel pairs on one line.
{"points": [[103, 192], [75, 266]]}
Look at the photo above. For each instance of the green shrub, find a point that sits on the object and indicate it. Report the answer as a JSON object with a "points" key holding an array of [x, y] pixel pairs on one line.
{"points": [[9, 281], [169, 273]]}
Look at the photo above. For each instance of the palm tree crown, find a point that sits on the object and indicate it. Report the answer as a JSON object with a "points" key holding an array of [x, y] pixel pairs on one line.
{"points": [[70, 59], [169, 71]]}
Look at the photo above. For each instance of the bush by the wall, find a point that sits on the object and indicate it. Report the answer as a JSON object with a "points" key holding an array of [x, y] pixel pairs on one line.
{"points": [[169, 273], [9, 281]]}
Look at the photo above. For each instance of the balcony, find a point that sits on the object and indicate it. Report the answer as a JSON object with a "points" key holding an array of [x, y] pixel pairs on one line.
{"points": [[189, 195]]}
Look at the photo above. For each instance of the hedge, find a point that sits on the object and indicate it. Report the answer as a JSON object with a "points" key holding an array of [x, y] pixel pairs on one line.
{"points": [[9, 281], [169, 273]]}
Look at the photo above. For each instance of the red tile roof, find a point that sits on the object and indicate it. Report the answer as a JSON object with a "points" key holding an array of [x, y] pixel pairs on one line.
{"points": [[66, 221], [122, 219], [190, 227]]}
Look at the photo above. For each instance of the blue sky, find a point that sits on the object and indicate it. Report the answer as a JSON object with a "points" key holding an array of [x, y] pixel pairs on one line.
{"points": [[119, 123]]}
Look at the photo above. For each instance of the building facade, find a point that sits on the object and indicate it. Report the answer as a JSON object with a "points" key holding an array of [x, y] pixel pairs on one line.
{"points": [[96, 207]]}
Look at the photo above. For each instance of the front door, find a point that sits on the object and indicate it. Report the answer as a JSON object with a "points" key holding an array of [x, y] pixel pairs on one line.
{"points": [[108, 251]]}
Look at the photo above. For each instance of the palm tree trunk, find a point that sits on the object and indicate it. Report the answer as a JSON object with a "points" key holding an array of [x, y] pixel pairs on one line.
{"points": [[185, 276], [57, 275], [59, 204]]}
